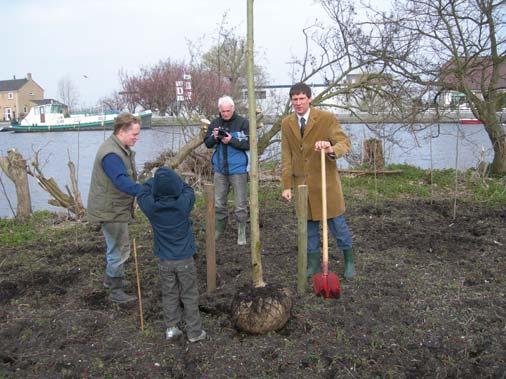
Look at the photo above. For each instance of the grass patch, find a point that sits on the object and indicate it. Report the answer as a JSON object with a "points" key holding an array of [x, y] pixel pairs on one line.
{"points": [[15, 232], [416, 182]]}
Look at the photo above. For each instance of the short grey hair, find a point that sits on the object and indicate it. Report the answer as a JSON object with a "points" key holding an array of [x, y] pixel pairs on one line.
{"points": [[225, 100]]}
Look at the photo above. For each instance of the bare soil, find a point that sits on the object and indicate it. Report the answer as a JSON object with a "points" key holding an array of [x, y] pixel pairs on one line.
{"points": [[429, 301]]}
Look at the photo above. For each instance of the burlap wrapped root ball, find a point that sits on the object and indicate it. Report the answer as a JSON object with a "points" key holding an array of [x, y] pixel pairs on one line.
{"points": [[261, 310]]}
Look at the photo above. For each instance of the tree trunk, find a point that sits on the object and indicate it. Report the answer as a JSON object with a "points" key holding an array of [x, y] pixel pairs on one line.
{"points": [[14, 167], [256, 258], [373, 154], [498, 139], [187, 149], [70, 200]]}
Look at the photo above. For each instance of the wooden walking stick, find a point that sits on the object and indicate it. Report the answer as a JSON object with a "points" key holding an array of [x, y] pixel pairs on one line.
{"points": [[138, 286]]}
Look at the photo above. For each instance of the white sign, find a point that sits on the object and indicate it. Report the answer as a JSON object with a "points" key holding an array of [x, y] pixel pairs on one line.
{"points": [[187, 77]]}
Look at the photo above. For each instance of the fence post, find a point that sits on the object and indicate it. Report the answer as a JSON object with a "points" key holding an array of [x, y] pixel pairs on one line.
{"points": [[302, 238], [210, 241]]}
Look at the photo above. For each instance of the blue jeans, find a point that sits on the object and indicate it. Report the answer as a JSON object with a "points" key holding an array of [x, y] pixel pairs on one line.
{"points": [[239, 183], [337, 227], [118, 247], [179, 286]]}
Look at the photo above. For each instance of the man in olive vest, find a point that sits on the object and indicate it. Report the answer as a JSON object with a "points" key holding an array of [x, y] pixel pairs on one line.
{"points": [[111, 199]]}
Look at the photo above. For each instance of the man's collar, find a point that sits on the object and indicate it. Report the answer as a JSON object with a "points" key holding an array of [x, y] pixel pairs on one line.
{"points": [[306, 115]]}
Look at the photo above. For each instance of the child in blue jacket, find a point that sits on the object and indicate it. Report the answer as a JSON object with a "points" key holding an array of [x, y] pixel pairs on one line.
{"points": [[167, 201]]}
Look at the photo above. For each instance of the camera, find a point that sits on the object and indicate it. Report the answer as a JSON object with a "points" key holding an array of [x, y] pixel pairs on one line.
{"points": [[222, 132]]}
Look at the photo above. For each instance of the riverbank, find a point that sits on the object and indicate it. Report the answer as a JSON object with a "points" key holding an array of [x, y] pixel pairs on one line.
{"points": [[429, 117], [429, 299]]}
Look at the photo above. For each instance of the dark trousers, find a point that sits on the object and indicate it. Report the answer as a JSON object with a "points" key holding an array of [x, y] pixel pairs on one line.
{"points": [[179, 287]]}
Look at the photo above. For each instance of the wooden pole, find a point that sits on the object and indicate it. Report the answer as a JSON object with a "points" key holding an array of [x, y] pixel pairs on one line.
{"points": [[256, 259], [325, 258], [456, 193], [210, 241], [141, 313], [302, 238]]}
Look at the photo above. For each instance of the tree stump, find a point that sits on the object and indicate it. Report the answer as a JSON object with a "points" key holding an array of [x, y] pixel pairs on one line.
{"points": [[373, 153], [14, 167], [262, 309]]}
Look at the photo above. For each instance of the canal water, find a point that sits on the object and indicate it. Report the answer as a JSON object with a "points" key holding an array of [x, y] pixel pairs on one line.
{"points": [[469, 142]]}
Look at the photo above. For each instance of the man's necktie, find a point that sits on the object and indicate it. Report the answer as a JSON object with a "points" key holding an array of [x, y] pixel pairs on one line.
{"points": [[302, 126]]}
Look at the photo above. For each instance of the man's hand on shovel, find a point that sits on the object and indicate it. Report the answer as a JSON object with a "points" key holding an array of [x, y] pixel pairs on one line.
{"points": [[325, 146]]}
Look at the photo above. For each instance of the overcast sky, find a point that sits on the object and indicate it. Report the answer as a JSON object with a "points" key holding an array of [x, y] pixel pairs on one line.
{"points": [[96, 38]]}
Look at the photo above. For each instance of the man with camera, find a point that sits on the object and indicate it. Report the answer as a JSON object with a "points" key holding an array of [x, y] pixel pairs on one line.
{"points": [[229, 135]]}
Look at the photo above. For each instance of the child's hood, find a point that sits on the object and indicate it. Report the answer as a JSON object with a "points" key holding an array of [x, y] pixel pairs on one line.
{"points": [[167, 183]]}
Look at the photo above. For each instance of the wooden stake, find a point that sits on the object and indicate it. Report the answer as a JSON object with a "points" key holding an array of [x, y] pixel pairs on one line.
{"points": [[210, 241], [302, 238], [138, 287]]}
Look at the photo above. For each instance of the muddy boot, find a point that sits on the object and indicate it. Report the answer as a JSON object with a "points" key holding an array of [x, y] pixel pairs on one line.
{"points": [[108, 281], [117, 294], [313, 264], [241, 233], [349, 266], [220, 228]]}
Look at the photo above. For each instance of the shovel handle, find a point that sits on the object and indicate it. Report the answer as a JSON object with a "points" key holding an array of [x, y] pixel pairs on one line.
{"points": [[325, 258]]}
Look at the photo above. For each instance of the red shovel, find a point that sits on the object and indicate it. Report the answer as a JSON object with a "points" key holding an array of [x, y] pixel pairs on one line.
{"points": [[326, 283]]}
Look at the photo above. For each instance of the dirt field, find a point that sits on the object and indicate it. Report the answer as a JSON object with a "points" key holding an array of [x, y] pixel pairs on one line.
{"points": [[429, 301]]}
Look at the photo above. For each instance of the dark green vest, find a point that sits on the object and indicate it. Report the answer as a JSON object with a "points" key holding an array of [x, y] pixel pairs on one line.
{"points": [[105, 202]]}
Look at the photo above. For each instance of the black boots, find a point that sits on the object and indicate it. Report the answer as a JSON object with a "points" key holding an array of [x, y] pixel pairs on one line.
{"points": [[117, 294]]}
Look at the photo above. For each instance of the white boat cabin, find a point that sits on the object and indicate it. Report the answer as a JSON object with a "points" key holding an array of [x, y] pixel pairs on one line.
{"points": [[54, 113]]}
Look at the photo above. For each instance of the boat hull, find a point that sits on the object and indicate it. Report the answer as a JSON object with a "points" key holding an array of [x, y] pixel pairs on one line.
{"points": [[470, 121], [83, 126]]}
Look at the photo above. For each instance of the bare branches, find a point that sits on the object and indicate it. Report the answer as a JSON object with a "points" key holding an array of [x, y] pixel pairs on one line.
{"points": [[70, 200]]}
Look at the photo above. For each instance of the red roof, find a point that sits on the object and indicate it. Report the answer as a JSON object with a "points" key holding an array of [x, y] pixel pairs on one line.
{"points": [[474, 71]]}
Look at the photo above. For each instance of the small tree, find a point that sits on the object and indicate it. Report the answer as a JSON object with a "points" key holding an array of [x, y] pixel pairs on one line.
{"points": [[68, 93], [228, 59], [114, 102]]}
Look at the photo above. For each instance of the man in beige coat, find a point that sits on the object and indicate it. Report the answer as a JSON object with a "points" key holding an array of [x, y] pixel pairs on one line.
{"points": [[304, 133]]}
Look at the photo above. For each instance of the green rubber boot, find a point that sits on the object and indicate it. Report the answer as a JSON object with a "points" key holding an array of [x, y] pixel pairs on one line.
{"points": [[117, 294], [313, 263], [349, 266], [220, 228], [241, 233]]}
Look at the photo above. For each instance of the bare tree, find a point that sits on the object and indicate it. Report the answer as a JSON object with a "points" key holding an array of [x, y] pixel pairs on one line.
{"points": [[114, 102], [67, 92], [227, 58], [154, 87], [457, 45], [333, 54]]}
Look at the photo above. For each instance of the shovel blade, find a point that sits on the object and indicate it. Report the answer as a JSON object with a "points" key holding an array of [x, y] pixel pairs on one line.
{"points": [[326, 285]]}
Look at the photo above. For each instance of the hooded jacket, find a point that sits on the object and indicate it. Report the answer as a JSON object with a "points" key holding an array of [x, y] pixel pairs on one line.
{"points": [[167, 201]]}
